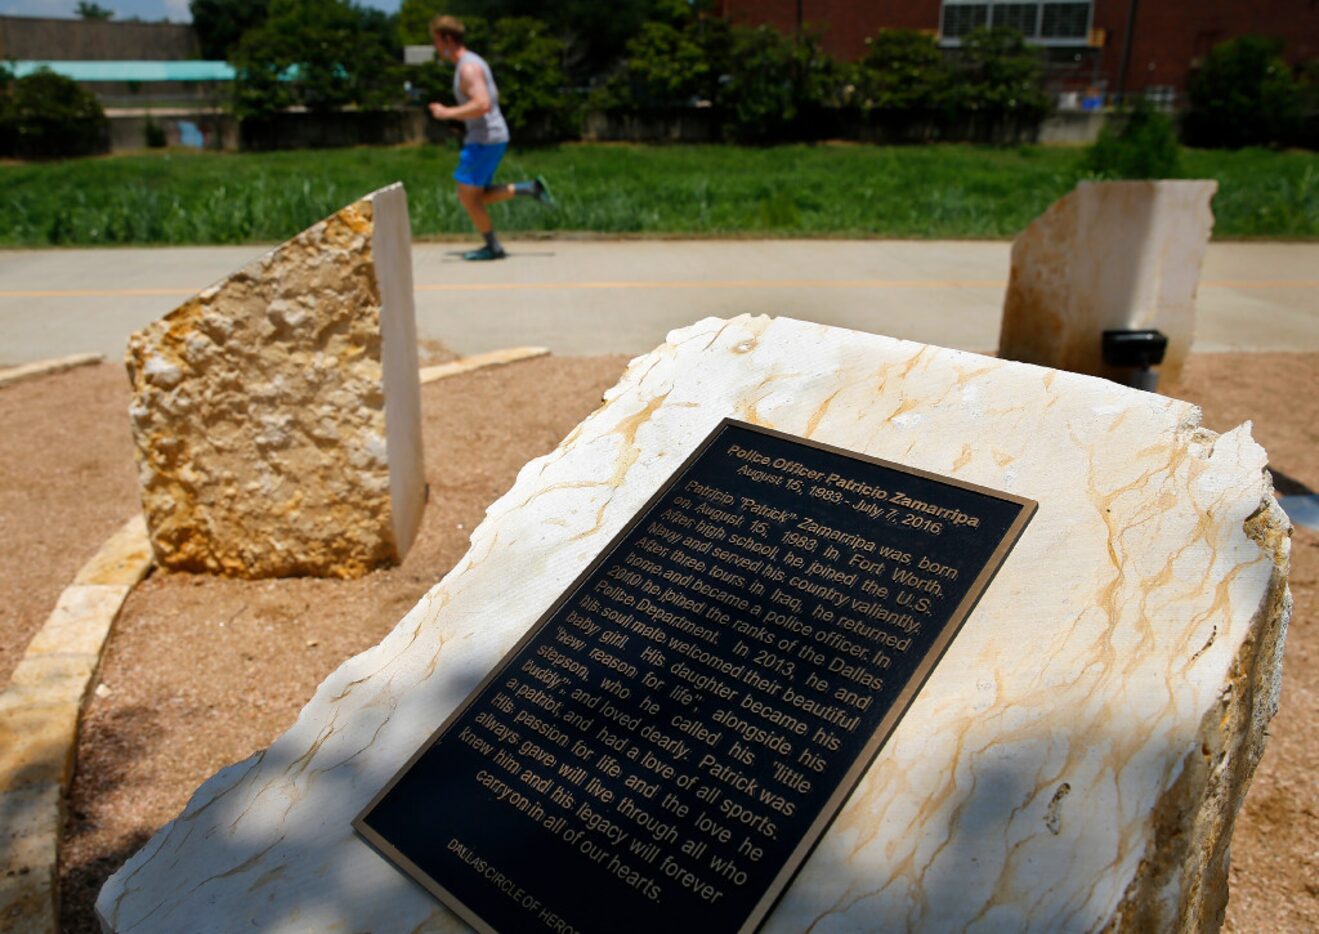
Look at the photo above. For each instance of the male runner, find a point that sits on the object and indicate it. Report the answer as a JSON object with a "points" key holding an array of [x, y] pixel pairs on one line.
{"points": [[486, 139]]}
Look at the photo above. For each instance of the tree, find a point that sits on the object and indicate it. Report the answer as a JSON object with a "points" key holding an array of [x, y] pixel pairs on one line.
{"points": [[47, 115], [1307, 86], [675, 59], [527, 61], [665, 67], [1243, 95], [999, 79], [8, 132], [594, 37], [776, 87], [414, 19], [903, 74], [220, 24], [321, 54], [92, 11]]}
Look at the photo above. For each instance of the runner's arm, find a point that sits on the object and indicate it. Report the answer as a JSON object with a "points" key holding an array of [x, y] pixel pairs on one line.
{"points": [[478, 96]]}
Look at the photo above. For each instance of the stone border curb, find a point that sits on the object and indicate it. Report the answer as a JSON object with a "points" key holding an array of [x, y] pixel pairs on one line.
{"points": [[41, 707], [16, 374], [430, 374], [39, 713]]}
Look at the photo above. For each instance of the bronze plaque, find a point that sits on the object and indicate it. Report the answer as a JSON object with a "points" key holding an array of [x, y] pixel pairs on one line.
{"points": [[664, 747]]}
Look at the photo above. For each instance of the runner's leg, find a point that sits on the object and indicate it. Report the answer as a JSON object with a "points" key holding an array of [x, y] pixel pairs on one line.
{"points": [[473, 201]]}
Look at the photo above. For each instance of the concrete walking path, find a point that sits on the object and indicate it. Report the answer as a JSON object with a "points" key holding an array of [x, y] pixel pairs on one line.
{"points": [[602, 296]]}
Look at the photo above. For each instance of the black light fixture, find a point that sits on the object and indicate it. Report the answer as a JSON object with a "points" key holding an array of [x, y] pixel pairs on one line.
{"points": [[1137, 351]]}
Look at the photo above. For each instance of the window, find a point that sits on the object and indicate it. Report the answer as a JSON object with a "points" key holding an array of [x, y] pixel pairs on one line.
{"points": [[1162, 97], [1019, 16], [1065, 21], [1058, 22], [961, 18]]}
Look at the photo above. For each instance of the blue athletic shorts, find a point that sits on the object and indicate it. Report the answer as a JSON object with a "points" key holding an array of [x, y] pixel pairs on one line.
{"points": [[477, 163]]}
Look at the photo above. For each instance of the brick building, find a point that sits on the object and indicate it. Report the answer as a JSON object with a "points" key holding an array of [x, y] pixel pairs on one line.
{"points": [[1087, 41]]}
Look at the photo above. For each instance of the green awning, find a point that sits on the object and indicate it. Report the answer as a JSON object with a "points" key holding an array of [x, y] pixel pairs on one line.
{"points": [[133, 70]]}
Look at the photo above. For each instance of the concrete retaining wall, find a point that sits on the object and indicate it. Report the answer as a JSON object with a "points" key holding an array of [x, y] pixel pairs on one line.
{"points": [[219, 130]]}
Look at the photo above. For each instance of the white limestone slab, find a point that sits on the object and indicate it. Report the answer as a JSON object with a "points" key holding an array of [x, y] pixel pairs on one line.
{"points": [[1074, 762], [1108, 256]]}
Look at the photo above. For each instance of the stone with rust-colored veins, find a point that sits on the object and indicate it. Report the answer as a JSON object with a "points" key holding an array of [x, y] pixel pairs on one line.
{"points": [[1074, 763], [277, 414], [1108, 256]]}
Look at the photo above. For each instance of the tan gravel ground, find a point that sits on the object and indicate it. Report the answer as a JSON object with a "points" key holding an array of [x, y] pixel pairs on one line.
{"points": [[202, 672]]}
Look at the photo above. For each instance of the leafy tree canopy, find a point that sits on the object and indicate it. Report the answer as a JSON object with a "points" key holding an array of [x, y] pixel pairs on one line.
{"points": [[774, 84], [903, 71], [93, 11], [999, 75], [595, 34], [320, 54], [1243, 95], [414, 18], [220, 24]]}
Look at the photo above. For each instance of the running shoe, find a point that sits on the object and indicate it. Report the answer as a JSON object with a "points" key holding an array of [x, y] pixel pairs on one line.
{"points": [[484, 254], [543, 193]]}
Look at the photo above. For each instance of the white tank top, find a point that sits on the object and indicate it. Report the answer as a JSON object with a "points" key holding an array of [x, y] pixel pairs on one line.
{"points": [[490, 126]]}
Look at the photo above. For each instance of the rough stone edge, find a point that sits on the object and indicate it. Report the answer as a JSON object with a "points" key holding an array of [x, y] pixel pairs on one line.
{"points": [[25, 371], [430, 374], [43, 702], [1185, 888]]}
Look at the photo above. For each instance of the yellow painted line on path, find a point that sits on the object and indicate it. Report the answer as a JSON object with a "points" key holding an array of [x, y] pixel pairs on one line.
{"points": [[623, 285], [719, 284], [1260, 283]]}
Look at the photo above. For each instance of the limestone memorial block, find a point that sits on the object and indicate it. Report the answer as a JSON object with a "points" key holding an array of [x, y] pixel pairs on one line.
{"points": [[1108, 256], [277, 414], [1074, 762]]}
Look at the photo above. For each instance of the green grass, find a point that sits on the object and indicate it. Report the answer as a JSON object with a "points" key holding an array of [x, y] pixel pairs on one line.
{"points": [[946, 191]]}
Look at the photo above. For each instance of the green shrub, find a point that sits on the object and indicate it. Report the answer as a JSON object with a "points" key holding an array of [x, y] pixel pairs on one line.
{"points": [[49, 116], [1307, 85], [759, 96], [1243, 95], [902, 74], [6, 111], [777, 88], [154, 134], [998, 79], [673, 62], [1143, 146], [666, 66]]}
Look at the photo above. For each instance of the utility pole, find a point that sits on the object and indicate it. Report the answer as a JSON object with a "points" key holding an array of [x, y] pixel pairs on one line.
{"points": [[1126, 51]]}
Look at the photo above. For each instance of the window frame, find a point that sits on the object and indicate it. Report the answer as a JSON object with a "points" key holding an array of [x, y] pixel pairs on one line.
{"points": [[1082, 41]]}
